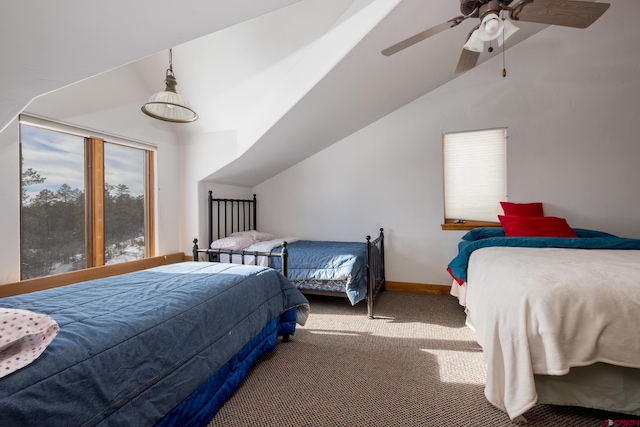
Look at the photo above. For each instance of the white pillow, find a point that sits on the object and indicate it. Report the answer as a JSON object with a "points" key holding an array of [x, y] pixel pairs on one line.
{"points": [[233, 242], [258, 236], [23, 338]]}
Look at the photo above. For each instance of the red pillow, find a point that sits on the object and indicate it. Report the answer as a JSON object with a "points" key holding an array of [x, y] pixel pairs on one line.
{"points": [[522, 209], [536, 226]]}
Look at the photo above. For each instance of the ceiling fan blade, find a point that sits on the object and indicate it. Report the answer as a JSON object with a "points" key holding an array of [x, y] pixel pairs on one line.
{"points": [[468, 60], [423, 35], [567, 13]]}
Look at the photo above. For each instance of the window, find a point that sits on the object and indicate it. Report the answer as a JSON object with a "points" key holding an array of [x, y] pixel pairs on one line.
{"points": [[86, 201], [124, 210], [475, 177]]}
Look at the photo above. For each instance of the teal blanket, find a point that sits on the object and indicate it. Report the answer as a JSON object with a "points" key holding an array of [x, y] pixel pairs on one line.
{"points": [[457, 268]]}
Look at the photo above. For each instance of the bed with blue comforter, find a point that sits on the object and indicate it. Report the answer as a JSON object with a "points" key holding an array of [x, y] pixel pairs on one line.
{"points": [[164, 346], [336, 268], [328, 266], [316, 266]]}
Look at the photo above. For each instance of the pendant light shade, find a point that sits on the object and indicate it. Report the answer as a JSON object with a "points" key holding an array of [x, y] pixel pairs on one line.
{"points": [[474, 44], [491, 28], [169, 105], [508, 31]]}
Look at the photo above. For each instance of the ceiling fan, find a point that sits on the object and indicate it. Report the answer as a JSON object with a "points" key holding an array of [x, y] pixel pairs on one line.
{"points": [[493, 26]]}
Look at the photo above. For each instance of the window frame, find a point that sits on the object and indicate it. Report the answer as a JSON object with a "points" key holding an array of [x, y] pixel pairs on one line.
{"points": [[94, 142], [463, 223]]}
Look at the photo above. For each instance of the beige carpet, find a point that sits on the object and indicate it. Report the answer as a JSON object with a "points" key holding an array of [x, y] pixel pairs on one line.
{"points": [[416, 364]]}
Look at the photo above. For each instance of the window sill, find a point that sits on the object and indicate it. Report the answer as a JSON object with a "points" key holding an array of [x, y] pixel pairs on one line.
{"points": [[467, 225]]}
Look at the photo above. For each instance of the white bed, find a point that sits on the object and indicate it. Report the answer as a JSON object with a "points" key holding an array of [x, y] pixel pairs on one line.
{"points": [[556, 325]]}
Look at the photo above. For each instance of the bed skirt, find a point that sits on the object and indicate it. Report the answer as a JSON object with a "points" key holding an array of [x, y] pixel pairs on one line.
{"points": [[618, 388], [200, 407]]}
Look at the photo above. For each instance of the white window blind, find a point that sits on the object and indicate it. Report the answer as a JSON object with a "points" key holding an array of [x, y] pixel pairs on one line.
{"points": [[475, 174]]}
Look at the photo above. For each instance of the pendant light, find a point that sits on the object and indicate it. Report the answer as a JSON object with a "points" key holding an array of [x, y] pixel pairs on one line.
{"points": [[168, 105]]}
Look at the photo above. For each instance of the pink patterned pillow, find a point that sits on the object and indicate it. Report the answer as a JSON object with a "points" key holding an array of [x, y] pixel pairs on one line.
{"points": [[23, 337]]}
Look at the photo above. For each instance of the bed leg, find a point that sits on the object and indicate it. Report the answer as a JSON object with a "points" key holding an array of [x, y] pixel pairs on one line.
{"points": [[370, 287], [286, 337], [195, 249]]}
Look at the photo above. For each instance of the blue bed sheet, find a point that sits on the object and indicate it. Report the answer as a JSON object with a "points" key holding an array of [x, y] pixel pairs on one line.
{"points": [[458, 266], [330, 260], [132, 347]]}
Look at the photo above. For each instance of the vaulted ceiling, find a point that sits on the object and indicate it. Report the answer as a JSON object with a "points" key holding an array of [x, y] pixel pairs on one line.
{"points": [[287, 77]]}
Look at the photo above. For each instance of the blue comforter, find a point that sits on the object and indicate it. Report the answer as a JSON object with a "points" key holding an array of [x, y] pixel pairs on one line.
{"points": [[131, 347], [458, 266], [327, 260]]}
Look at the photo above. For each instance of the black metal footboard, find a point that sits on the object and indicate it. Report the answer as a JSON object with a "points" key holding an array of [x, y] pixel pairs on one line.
{"points": [[214, 255]]}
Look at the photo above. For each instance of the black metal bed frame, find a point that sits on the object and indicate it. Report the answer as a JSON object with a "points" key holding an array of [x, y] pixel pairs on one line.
{"points": [[240, 215]]}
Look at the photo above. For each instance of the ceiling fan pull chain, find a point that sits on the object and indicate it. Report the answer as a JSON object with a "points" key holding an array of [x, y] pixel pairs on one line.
{"points": [[504, 67]]}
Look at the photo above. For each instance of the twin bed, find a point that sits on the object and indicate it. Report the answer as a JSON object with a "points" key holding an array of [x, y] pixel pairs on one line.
{"points": [[354, 270], [556, 317], [164, 346]]}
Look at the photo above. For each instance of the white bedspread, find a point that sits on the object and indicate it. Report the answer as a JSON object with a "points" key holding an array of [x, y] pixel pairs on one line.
{"points": [[543, 311]]}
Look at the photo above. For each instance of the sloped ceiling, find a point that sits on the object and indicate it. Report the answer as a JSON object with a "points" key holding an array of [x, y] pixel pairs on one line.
{"points": [[363, 87], [290, 78], [47, 45]]}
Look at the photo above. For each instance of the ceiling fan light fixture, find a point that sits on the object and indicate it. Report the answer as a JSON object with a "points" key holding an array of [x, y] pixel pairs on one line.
{"points": [[169, 105], [491, 27], [508, 31], [474, 44], [495, 23]]}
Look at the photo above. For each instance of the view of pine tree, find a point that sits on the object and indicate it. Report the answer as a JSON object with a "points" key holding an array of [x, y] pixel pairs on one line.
{"points": [[124, 219], [54, 225], [29, 177]]}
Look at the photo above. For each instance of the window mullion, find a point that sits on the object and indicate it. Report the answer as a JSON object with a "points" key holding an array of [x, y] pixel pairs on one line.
{"points": [[149, 203], [88, 211], [96, 201]]}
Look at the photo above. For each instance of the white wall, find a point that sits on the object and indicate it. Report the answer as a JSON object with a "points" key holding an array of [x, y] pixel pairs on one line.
{"points": [[10, 209], [198, 156], [573, 145]]}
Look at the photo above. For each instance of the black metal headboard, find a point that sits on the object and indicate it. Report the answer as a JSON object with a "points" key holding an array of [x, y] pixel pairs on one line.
{"points": [[232, 215]]}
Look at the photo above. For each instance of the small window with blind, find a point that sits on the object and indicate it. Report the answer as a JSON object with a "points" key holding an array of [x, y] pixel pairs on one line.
{"points": [[475, 177]]}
